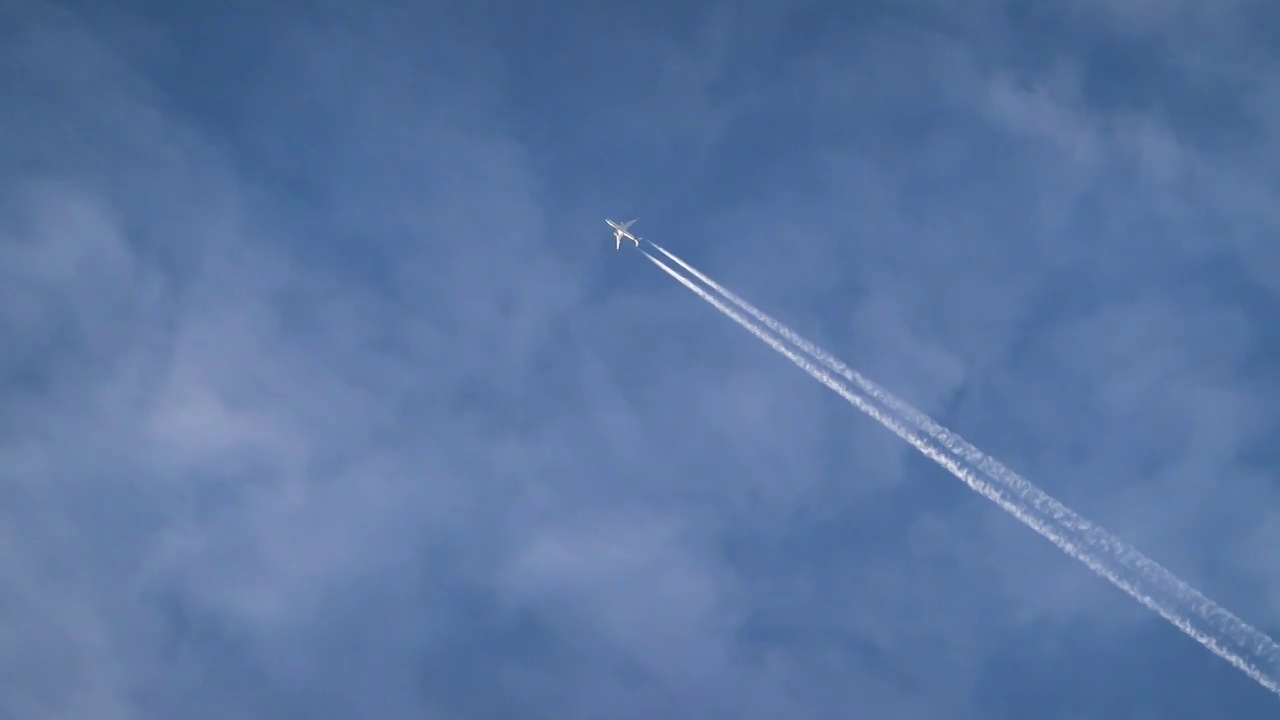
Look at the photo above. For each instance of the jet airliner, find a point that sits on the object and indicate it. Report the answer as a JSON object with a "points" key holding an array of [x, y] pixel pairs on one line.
{"points": [[620, 231]]}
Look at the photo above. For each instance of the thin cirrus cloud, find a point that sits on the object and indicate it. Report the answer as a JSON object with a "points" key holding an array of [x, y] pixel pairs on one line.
{"points": [[324, 392]]}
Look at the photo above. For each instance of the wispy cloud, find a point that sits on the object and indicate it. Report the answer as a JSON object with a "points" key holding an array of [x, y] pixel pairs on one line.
{"points": [[322, 389]]}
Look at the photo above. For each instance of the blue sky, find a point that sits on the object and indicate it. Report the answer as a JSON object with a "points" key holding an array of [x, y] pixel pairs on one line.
{"points": [[323, 393]]}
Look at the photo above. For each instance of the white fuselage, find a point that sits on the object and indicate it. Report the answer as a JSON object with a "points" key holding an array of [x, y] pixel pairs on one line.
{"points": [[619, 232]]}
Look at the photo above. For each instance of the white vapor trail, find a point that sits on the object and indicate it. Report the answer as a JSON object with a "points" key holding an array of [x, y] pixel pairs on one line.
{"points": [[1249, 650]]}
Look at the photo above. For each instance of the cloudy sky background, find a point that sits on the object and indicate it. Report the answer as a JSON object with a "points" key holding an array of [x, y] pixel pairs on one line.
{"points": [[323, 393]]}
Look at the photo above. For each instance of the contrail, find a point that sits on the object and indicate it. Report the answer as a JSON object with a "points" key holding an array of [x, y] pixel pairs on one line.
{"points": [[1229, 637]]}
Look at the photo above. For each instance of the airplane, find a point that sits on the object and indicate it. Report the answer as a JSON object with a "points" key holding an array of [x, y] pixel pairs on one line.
{"points": [[620, 231]]}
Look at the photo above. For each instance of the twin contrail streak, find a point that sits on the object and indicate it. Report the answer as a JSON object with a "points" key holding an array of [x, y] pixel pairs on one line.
{"points": [[1249, 650]]}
